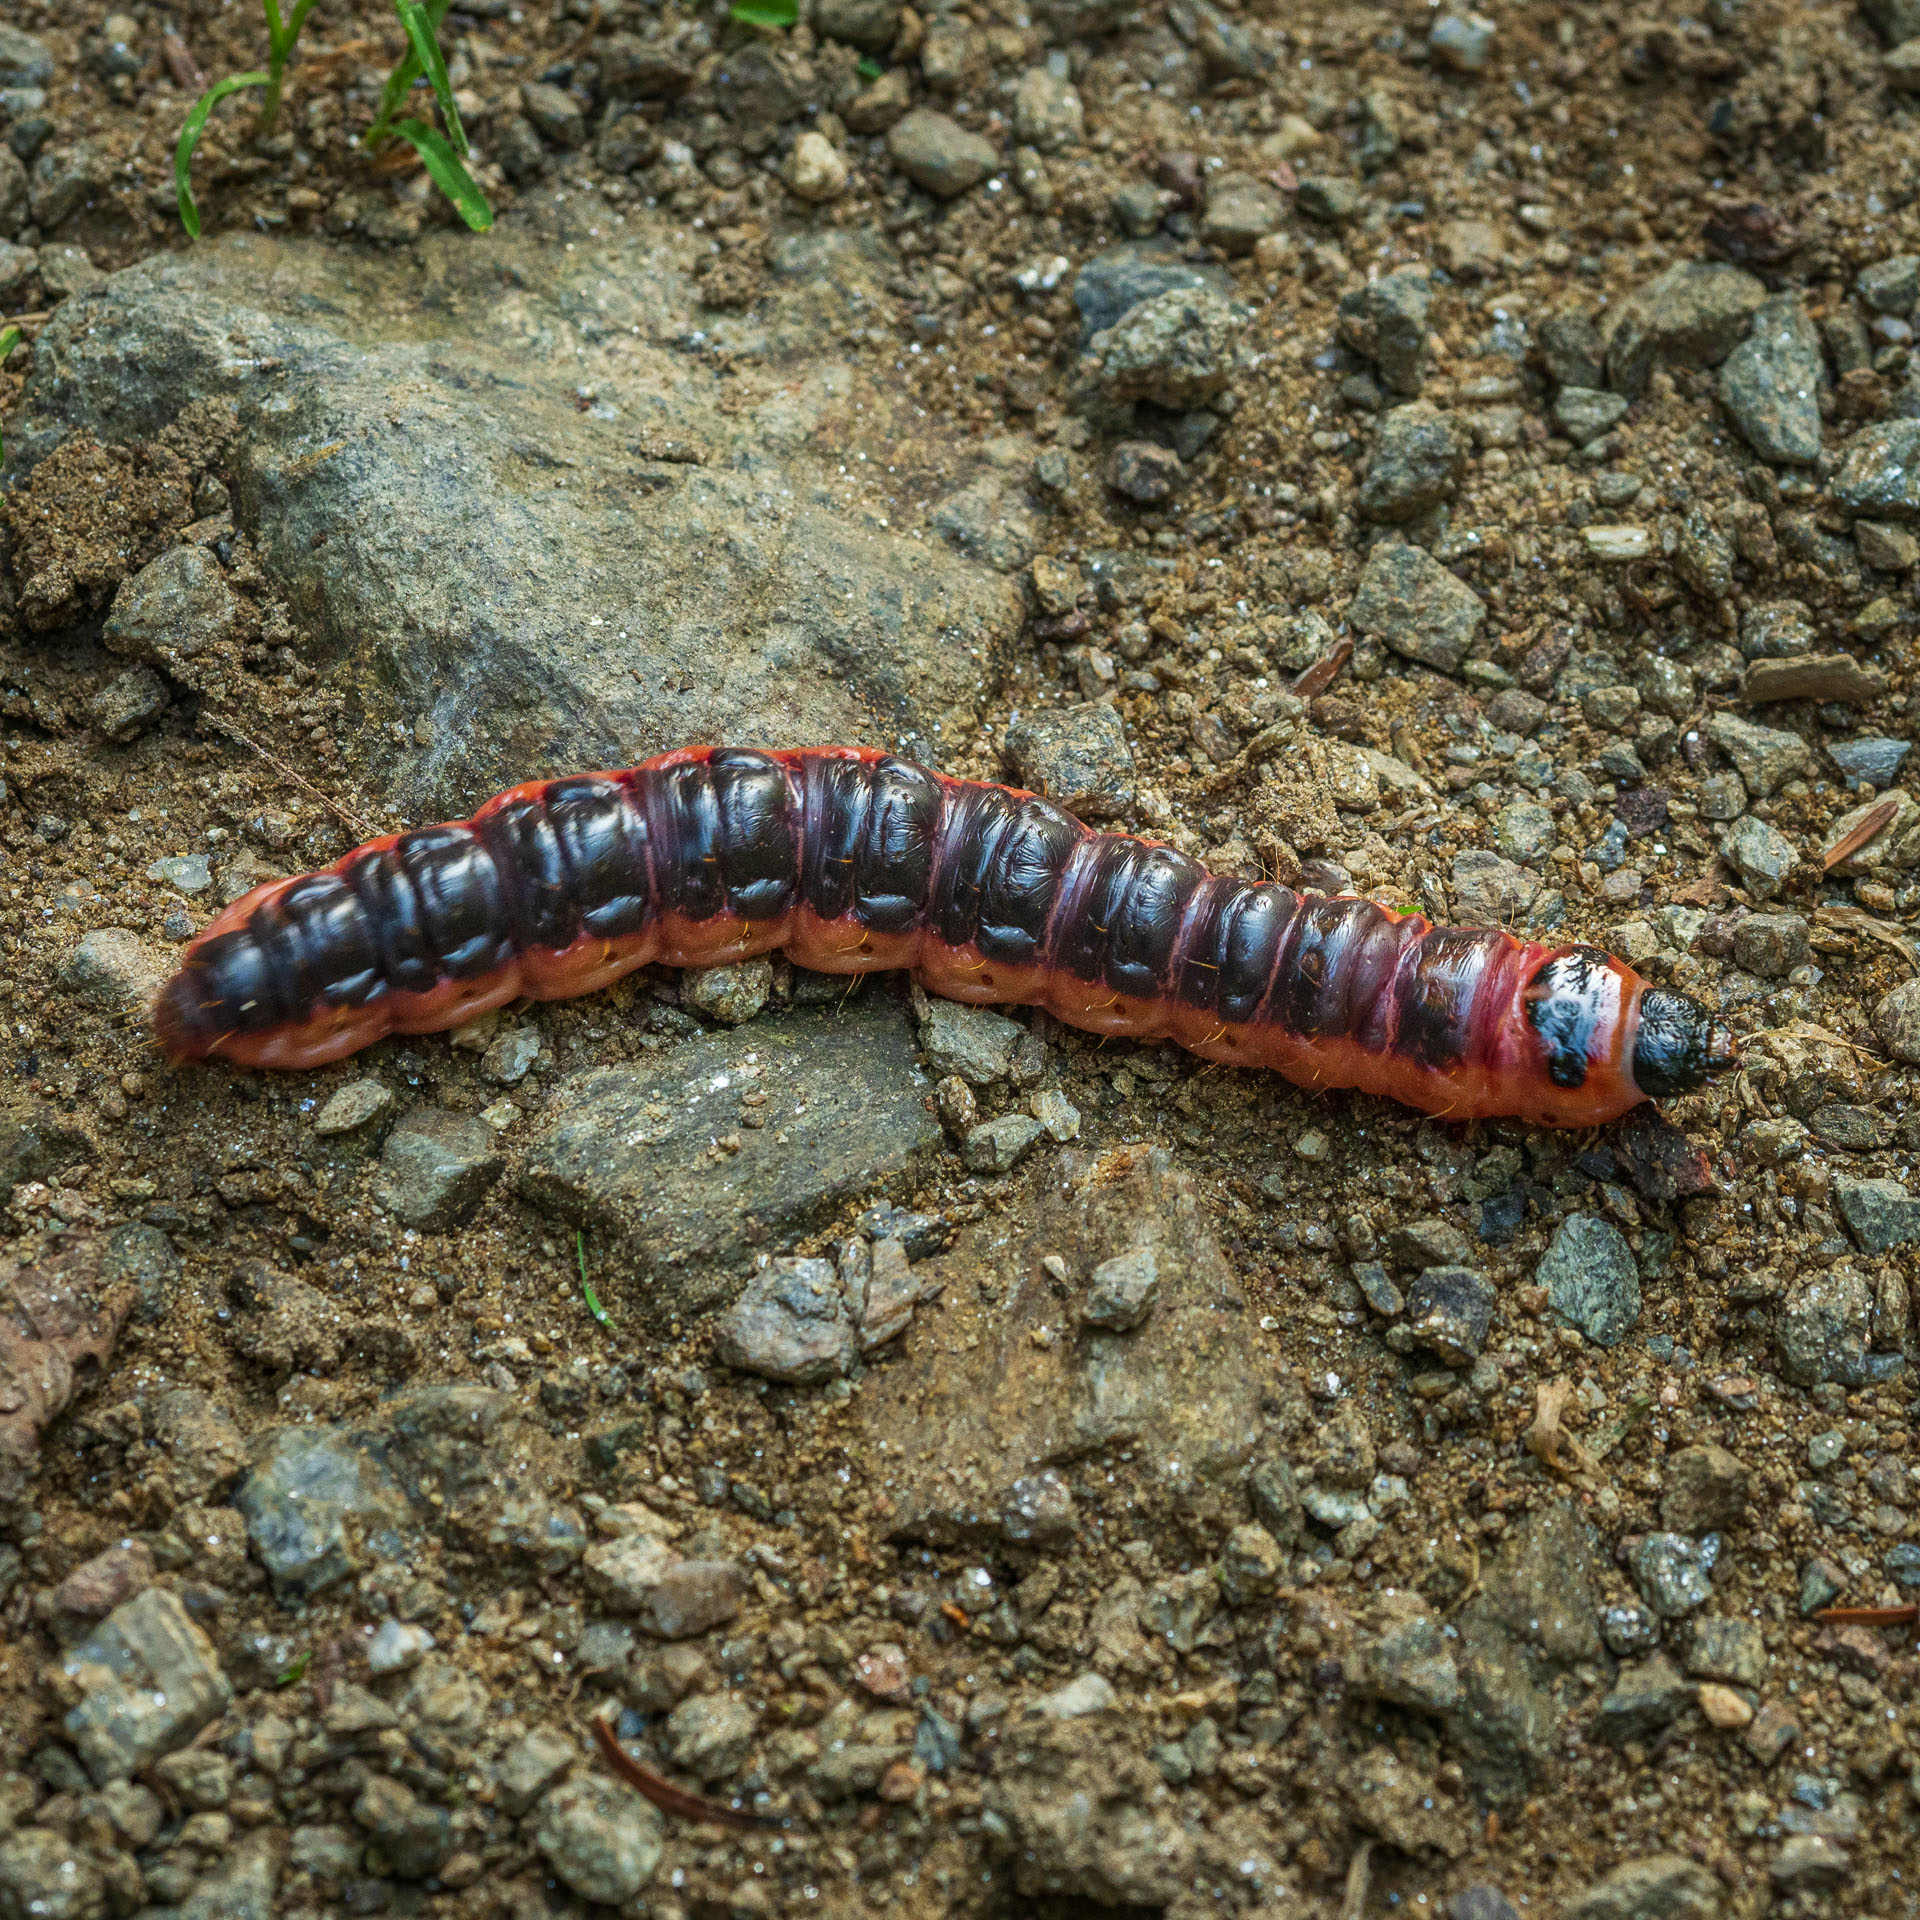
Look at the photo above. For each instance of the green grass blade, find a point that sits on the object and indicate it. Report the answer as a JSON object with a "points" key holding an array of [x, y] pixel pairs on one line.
{"points": [[765, 13], [190, 138], [400, 83], [426, 50], [10, 337], [586, 1286], [443, 165]]}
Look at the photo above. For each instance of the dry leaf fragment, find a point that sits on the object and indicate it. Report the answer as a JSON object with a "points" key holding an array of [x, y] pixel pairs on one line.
{"points": [[1548, 1440]]}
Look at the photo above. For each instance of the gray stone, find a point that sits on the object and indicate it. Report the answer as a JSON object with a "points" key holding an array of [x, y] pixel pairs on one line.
{"points": [[1766, 757], [1145, 472], [436, 1168], [732, 994], [1431, 1241], [1879, 473], [1873, 762], [939, 154], [17, 264], [1664, 1886], [1378, 1290], [1647, 1695], [115, 969], [1327, 197], [996, 1146], [65, 271], [1449, 1310], [1760, 854], [1673, 1573], [1119, 277], [710, 1734], [1240, 211], [659, 568], [317, 1508], [24, 61], [1771, 944], [601, 1838], [1895, 846], [1693, 315], [1583, 414], [1417, 461], [63, 179], [1489, 891], [1891, 285], [1776, 630], [1705, 1490], [1771, 381], [1896, 1021], [1409, 601], [147, 1680], [556, 113], [1251, 1566], [1811, 1864], [187, 873], [171, 611], [1524, 830], [529, 1767], [1731, 1650], [1880, 1214], [1386, 321], [1667, 687], [628, 1151], [1826, 1322], [43, 1874], [870, 25], [1075, 755], [1829, 676], [142, 1257], [1122, 1291], [1885, 547], [1047, 113], [1591, 1280], [791, 1324], [1178, 349], [974, 1042], [129, 704], [1000, 1401], [1461, 42], [1572, 348], [1409, 1663], [414, 1837], [1481, 1903], [349, 1108]]}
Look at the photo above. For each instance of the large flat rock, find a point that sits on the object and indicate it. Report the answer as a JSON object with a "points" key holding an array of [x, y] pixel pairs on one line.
{"points": [[531, 501], [678, 1194]]}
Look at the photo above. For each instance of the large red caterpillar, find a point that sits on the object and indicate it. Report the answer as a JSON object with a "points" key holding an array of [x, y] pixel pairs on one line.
{"points": [[851, 860]]}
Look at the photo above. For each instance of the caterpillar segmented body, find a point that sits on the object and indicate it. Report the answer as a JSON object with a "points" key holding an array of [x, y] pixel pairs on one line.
{"points": [[850, 860]]}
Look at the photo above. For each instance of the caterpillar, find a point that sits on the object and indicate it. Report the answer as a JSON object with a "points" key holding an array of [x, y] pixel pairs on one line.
{"points": [[850, 860]]}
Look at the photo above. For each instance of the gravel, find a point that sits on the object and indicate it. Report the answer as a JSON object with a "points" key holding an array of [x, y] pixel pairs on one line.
{"points": [[1770, 384], [1176, 349], [1591, 1278], [1760, 854], [791, 1324], [1417, 463], [437, 1167], [1077, 755], [937, 153], [1693, 315], [1122, 1292], [1415, 606], [1386, 322], [600, 1838]]}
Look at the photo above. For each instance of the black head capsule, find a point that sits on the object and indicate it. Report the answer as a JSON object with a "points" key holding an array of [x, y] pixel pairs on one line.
{"points": [[1679, 1046]]}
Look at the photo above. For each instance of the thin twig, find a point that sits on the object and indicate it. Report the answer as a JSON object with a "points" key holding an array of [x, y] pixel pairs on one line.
{"points": [[1317, 678], [1870, 1616], [361, 828], [666, 1796], [1870, 826]]}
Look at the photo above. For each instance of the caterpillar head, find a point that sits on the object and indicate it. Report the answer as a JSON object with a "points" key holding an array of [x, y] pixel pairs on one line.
{"points": [[1679, 1045], [1669, 1044]]}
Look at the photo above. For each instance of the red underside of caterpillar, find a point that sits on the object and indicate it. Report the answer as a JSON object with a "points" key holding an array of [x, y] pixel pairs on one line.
{"points": [[849, 862]]}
